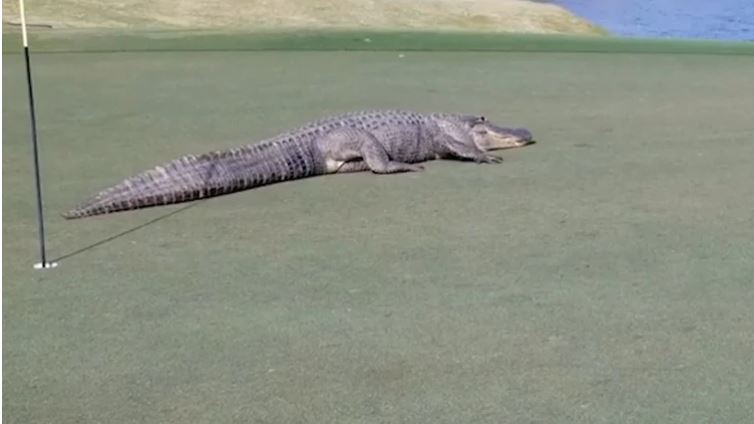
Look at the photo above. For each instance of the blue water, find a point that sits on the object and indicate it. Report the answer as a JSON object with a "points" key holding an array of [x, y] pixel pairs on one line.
{"points": [[697, 19]]}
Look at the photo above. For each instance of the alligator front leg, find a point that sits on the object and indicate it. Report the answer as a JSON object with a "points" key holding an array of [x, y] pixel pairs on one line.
{"points": [[469, 151]]}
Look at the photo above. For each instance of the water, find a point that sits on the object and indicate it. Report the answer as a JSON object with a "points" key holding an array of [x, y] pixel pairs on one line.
{"points": [[697, 19]]}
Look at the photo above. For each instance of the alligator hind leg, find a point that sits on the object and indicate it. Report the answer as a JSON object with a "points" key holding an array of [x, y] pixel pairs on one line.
{"points": [[378, 160], [353, 166], [347, 144]]}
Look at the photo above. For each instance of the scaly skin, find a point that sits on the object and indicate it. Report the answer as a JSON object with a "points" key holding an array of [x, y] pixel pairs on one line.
{"points": [[383, 141]]}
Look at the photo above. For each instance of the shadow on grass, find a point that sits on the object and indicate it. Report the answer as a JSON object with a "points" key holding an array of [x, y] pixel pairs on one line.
{"points": [[124, 233]]}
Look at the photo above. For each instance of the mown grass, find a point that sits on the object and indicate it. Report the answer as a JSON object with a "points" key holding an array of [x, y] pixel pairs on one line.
{"points": [[601, 275], [353, 40]]}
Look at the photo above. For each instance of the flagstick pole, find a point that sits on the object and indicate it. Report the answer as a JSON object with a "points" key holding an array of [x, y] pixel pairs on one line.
{"points": [[43, 264]]}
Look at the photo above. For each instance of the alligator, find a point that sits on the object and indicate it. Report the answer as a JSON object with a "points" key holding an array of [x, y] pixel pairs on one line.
{"points": [[380, 141]]}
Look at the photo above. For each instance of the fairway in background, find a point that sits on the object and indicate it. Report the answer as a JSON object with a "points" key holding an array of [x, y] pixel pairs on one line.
{"points": [[354, 40]]}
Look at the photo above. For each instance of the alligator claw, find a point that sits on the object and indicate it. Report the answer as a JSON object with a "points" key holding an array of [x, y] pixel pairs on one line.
{"points": [[489, 159]]}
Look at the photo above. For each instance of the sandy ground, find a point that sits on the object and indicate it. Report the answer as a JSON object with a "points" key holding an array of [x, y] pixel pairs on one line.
{"points": [[479, 15]]}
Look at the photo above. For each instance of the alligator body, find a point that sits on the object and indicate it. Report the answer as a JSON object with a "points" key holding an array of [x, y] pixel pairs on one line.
{"points": [[381, 141]]}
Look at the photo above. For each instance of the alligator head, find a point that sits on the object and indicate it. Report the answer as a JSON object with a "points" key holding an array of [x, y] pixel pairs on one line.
{"points": [[488, 136]]}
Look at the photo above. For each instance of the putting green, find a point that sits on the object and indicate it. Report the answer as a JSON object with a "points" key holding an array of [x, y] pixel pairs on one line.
{"points": [[602, 275]]}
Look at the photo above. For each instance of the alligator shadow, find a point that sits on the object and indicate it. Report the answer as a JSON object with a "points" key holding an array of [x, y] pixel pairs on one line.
{"points": [[127, 232]]}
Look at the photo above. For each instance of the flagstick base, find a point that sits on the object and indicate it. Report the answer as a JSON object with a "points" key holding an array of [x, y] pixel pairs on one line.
{"points": [[46, 265]]}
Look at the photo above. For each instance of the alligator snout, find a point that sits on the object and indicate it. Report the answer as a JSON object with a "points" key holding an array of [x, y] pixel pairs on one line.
{"points": [[524, 135]]}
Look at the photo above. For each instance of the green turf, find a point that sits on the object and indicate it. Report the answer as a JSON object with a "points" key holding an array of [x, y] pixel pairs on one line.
{"points": [[602, 275], [364, 40]]}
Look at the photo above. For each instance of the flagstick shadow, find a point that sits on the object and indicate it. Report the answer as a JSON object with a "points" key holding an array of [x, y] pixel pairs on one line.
{"points": [[124, 233]]}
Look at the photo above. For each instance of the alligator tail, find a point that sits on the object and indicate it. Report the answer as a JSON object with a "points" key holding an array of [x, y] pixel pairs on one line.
{"points": [[197, 177]]}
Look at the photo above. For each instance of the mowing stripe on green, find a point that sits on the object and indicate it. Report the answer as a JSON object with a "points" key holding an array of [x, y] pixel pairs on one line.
{"points": [[180, 40]]}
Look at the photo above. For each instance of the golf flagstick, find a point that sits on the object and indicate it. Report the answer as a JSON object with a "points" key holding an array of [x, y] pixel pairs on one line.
{"points": [[43, 264]]}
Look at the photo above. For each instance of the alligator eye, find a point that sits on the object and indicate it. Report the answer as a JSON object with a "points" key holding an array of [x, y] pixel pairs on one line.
{"points": [[482, 118]]}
